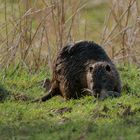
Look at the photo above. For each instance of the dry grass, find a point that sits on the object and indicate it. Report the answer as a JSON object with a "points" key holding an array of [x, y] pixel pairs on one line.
{"points": [[121, 34], [31, 32]]}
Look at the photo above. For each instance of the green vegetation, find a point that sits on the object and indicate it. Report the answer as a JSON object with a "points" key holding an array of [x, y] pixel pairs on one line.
{"points": [[94, 16], [86, 118]]}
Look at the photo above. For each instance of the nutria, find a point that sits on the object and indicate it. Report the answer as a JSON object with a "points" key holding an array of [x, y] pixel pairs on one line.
{"points": [[83, 68]]}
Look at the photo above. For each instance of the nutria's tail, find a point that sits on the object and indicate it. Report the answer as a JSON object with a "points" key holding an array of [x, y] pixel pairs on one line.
{"points": [[51, 93], [45, 97]]}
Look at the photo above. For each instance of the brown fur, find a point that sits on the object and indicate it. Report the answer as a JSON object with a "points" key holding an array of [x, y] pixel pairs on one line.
{"points": [[82, 68]]}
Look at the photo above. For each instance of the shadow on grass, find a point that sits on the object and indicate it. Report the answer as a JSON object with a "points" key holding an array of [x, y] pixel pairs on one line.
{"points": [[3, 93]]}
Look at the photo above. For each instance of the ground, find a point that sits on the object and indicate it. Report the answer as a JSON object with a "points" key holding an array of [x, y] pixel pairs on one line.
{"points": [[83, 119]]}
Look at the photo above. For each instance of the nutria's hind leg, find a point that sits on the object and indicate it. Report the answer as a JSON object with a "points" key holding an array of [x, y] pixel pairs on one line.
{"points": [[51, 93]]}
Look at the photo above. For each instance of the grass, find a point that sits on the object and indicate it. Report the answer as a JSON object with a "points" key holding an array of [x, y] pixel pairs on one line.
{"points": [[83, 119]]}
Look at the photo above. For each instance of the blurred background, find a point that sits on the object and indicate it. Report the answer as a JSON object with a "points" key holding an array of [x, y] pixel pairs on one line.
{"points": [[32, 31]]}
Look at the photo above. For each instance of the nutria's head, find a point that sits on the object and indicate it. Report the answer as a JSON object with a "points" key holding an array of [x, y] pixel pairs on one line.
{"points": [[101, 79]]}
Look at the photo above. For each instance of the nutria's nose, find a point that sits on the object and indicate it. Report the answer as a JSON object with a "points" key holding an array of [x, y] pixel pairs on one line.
{"points": [[103, 94], [114, 94]]}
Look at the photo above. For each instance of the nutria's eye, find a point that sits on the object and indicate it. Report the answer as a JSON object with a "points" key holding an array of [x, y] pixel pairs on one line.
{"points": [[90, 69], [108, 68]]}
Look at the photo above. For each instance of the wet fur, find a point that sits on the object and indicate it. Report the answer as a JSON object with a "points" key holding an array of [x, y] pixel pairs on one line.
{"points": [[71, 71]]}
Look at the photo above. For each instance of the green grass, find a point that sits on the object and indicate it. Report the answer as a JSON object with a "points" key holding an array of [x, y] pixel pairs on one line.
{"points": [[83, 119]]}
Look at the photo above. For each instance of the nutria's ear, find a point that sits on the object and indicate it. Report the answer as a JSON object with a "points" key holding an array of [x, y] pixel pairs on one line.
{"points": [[90, 68], [107, 67]]}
